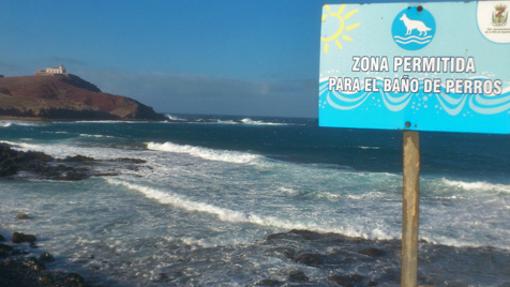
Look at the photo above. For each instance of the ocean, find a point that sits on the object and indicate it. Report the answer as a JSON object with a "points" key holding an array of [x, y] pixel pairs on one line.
{"points": [[204, 208]]}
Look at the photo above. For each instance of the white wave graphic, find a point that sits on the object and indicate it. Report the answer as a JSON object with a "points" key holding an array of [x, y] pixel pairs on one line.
{"points": [[450, 103], [476, 185], [413, 41], [458, 106], [346, 106], [395, 103], [229, 215], [5, 125], [496, 107], [412, 37], [205, 153]]}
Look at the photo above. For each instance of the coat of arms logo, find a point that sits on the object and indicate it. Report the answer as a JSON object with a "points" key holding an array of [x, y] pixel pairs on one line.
{"points": [[499, 15]]}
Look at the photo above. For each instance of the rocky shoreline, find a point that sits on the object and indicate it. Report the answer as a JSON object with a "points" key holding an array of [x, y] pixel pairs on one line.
{"points": [[356, 262], [36, 165], [307, 258], [21, 267]]}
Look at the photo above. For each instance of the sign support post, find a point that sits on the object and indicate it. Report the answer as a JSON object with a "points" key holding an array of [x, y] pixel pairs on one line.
{"points": [[410, 209]]}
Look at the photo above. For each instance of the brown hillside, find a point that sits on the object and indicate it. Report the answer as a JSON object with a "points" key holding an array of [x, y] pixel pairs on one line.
{"points": [[66, 97]]}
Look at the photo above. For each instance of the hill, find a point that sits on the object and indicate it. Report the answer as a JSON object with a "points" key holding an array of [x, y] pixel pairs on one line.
{"points": [[66, 97]]}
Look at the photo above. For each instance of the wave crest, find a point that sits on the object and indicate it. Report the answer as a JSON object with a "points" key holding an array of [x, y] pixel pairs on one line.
{"points": [[476, 185], [205, 153], [228, 215]]}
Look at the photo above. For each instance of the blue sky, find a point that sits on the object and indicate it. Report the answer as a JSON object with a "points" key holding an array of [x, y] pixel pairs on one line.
{"points": [[210, 57]]}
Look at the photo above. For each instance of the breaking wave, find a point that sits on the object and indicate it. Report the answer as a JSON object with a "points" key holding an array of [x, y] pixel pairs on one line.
{"points": [[7, 124], [476, 185], [205, 153], [174, 118], [248, 121], [95, 136], [368, 147], [229, 215]]}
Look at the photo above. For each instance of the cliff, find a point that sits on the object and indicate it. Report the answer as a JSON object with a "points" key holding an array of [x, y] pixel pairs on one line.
{"points": [[66, 97]]}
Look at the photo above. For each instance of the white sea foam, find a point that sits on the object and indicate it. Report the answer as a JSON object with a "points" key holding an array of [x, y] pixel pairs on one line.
{"points": [[476, 185], [6, 124], [368, 147], [205, 153], [287, 190], [248, 121], [227, 122], [95, 136], [63, 150], [174, 118], [233, 216]]}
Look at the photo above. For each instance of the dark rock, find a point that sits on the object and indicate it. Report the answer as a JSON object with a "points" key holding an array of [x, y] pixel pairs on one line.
{"points": [[2, 238], [310, 259], [297, 276], [78, 158], [269, 283], [40, 165], [306, 234], [372, 252], [33, 264], [283, 251], [162, 277], [352, 280], [46, 280], [18, 237], [46, 257], [5, 250], [390, 275], [130, 160], [74, 280], [22, 216]]}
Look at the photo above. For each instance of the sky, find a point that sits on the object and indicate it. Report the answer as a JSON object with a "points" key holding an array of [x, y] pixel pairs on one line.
{"points": [[231, 57]]}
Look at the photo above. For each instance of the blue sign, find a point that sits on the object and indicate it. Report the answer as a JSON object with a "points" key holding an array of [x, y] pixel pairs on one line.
{"points": [[443, 66]]}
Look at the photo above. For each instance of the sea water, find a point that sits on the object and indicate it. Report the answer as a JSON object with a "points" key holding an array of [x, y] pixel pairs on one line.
{"points": [[213, 188]]}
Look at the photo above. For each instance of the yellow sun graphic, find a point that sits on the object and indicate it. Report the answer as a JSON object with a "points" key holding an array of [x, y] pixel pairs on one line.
{"points": [[340, 34]]}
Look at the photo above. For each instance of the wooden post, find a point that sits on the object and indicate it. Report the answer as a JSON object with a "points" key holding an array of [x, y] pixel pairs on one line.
{"points": [[410, 209]]}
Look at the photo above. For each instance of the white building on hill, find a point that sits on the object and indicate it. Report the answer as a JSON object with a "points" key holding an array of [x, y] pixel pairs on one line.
{"points": [[59, 70]]}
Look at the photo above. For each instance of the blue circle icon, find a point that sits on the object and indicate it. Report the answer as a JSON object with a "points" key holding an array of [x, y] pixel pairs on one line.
{"points": [[413, 28]]}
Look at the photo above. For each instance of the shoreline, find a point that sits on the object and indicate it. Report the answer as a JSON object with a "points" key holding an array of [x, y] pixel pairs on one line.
{"points": [[22, 263], [305, 257]]}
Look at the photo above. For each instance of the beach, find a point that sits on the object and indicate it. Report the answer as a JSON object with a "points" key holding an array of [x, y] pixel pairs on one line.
{"points": [[246, 201]]}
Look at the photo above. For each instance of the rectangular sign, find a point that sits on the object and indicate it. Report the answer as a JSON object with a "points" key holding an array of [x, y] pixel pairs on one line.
{"points": [[442, 66]]}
